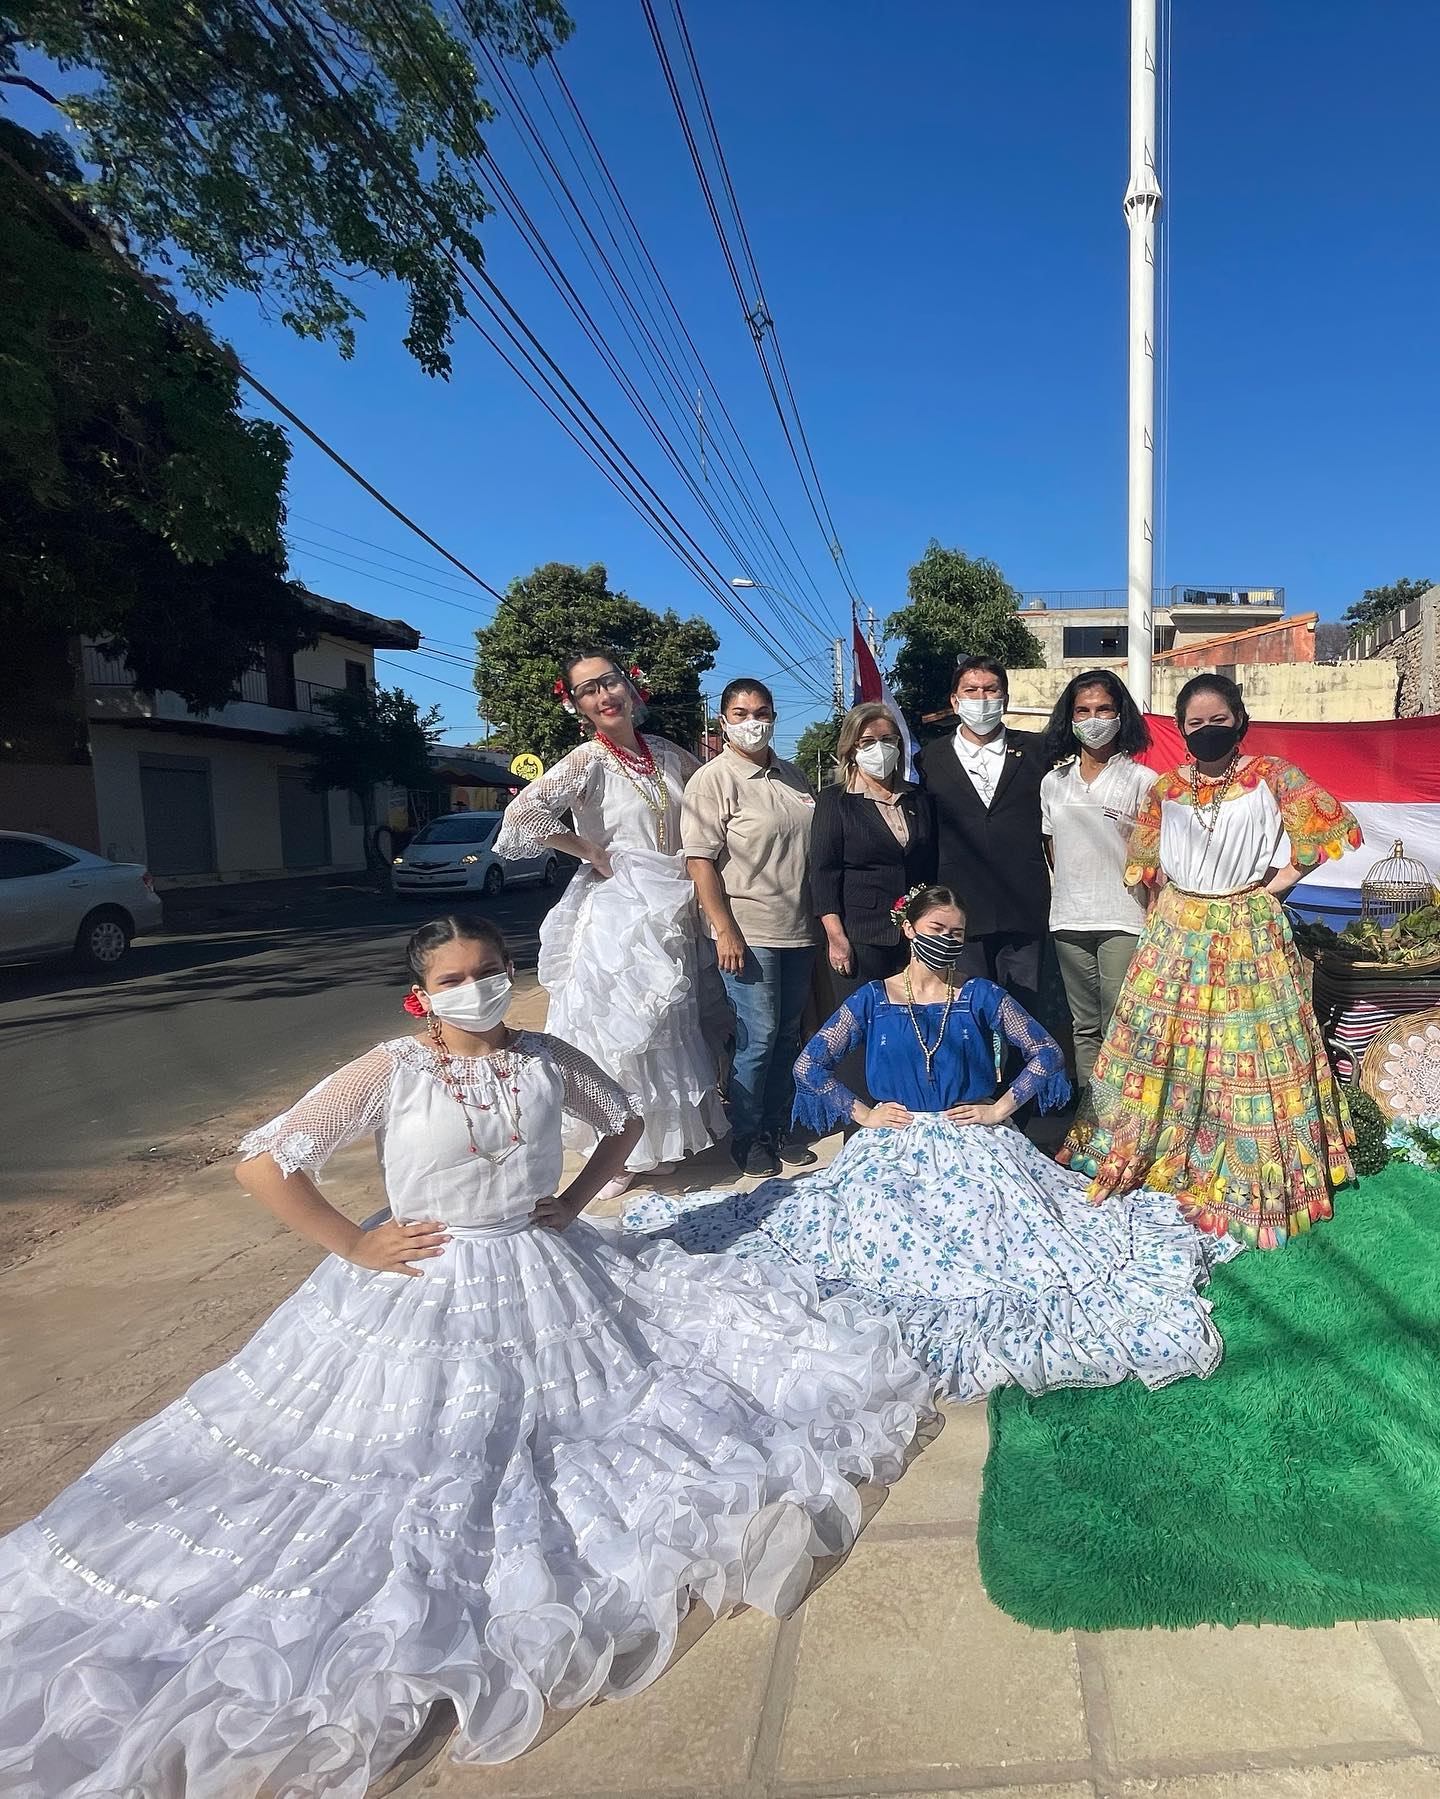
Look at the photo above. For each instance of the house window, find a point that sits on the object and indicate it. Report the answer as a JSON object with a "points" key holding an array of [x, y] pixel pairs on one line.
{"points": [[1095, 643], [357, 677]]}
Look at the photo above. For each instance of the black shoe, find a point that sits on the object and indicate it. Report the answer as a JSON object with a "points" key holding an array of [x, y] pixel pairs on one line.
{"points": [[794, 1154], [762, 1159]]}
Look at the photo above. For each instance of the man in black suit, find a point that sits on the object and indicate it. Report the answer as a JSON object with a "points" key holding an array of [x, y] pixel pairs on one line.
{"points": [[986, 783]]}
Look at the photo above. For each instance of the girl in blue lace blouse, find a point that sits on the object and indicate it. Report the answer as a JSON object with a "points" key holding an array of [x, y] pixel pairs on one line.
{"points": [[938, 1213]]}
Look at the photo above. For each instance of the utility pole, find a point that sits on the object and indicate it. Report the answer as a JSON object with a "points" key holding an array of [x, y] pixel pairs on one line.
{"points": [[839, 674], [872, 636], [1142, 212]]}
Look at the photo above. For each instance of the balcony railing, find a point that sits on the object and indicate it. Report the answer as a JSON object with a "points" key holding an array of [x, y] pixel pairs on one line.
{"points": [[1116, 599], [252, 689]]}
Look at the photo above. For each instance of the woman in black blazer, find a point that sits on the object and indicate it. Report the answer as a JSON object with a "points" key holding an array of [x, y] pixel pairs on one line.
{"points": [[872, 839]]}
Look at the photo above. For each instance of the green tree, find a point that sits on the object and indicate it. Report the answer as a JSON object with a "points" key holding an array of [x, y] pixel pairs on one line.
{"points": [[959, 606], [140, 507], [377, 735], [815, 751], [1377, 603], [559, 609], [285, 148]]}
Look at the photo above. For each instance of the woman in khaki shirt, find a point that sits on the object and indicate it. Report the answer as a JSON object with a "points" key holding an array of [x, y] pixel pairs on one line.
{"points": [[745, 831]]}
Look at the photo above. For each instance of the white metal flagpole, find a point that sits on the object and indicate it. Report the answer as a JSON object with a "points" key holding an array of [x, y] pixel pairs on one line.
{"points": [[1142, 212]]}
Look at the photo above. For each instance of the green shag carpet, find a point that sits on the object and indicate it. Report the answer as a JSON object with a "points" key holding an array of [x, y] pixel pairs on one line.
{"points": [[1299, 1484]]}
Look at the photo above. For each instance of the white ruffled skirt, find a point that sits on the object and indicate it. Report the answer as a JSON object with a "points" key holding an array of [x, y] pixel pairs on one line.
{"points": [[502, 1484], [619, 959], [989, 1257]]}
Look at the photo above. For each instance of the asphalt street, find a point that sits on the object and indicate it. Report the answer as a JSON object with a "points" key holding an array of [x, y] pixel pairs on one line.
{"points": [[202, 1031]]}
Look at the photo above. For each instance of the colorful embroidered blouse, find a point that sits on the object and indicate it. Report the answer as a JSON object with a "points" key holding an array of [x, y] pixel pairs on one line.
{"points": [[1267, 802], [964, 1065]]}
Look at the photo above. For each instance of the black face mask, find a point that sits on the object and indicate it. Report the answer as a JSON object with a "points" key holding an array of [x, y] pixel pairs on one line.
{"points": [[1211, 743], [938, 952]]}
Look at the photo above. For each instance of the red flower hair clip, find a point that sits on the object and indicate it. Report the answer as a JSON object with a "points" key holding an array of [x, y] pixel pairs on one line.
{"points": [[562, 693], [412, 1005], [902, 905], [637, 681]]}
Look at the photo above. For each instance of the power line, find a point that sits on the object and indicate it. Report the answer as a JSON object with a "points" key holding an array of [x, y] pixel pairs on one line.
{"points": [[657, 284], [209, 347], [398, 586], [653, 352], [385, 662], [579, 420], [758, 316], [554, 271], [320, 525]]}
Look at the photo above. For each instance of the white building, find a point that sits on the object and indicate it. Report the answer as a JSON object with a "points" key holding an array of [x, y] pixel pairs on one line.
{"points": [[1082, 629], [220, 796]]}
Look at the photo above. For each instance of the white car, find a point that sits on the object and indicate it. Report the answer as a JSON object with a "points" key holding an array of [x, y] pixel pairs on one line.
{"points": [[454, 854], [57, 900]]}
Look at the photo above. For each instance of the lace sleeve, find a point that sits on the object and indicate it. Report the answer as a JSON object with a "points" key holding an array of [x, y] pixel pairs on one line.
{"points": [[543, 808], [684, 761], [1318, 825], [822, 1101], [1043, 1077], [1142, 859], [590, 1095], [346, 1106]]}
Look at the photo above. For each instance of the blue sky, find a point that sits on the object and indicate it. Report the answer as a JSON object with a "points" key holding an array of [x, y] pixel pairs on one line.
{"points": [[933, 193]]}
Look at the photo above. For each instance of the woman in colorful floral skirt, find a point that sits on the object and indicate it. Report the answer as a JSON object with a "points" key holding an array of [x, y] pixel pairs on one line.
{"points": [[1213, 1083]]}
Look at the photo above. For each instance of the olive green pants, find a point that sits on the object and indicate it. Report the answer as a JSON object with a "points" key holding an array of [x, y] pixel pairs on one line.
{"points": [[1093, 966]]}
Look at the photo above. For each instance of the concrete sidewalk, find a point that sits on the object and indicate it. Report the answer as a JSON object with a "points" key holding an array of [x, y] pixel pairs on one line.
{"points": [[898, 1677]]}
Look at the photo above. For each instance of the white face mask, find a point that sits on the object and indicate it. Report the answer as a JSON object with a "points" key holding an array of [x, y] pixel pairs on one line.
{"points": [[750, 733], [474, 1006], [878, 760], [982, 716], [1095, 733]]}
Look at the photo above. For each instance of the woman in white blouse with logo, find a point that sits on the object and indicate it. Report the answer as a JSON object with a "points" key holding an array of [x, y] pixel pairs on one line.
{"points": [[1089, 802]]}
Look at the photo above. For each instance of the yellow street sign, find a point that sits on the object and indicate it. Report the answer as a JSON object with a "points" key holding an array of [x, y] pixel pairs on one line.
{"points": [[528, 766]]}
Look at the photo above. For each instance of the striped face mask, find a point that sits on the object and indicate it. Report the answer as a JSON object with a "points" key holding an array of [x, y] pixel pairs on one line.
{"points": [[938, 952]]}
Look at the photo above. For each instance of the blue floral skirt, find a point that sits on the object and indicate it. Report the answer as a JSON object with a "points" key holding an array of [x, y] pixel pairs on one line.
{"points": [[988, 1255]]}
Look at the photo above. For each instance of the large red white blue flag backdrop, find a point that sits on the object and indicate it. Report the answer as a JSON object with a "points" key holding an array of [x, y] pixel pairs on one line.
{"points": [[1386, 770]]}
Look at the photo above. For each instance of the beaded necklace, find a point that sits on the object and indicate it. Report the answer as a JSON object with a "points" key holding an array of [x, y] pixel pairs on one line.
{"points": [[930, 1050], [638, 770], [507, 1076], [1221, 786]]}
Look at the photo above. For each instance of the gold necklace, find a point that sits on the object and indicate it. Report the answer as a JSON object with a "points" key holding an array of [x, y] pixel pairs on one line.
{"points": [[929, 1051], [658, 801], [1217, 797]]}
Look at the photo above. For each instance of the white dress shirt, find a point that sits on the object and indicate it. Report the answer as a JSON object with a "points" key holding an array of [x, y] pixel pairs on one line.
{"points": [[983, 762]]}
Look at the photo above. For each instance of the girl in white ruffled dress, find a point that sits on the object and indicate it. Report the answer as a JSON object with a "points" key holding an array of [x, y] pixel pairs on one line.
{"points": [[487, 1454], [619, 953]]}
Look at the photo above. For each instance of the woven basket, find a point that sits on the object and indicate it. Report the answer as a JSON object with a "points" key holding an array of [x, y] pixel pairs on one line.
{"points": [[1401, 1069], [1342, 968]]}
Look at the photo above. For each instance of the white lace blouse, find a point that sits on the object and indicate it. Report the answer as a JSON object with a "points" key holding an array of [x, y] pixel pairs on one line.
{"points": [[608, 805], [395, 1093]]}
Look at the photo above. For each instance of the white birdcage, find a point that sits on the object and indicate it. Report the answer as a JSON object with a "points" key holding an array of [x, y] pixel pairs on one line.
{"points": [[1396, 886]]}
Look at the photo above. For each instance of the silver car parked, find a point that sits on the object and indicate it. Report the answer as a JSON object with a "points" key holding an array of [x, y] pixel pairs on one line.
{"points": [[456, 854], [59, 900]]}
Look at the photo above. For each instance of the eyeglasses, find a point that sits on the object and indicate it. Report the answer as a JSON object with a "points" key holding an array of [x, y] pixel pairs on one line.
{"points": [[601, 684]]}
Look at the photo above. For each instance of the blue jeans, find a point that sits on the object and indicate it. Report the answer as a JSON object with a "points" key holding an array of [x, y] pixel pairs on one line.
{"points": [[768, 998]]}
